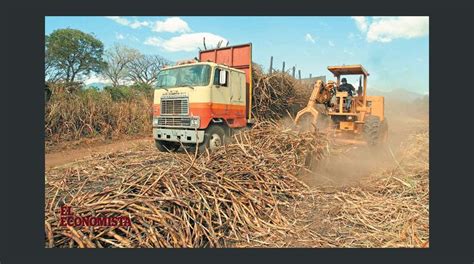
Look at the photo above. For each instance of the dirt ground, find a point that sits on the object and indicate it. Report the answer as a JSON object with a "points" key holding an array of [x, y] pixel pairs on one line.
{"points": [[68, 156]]}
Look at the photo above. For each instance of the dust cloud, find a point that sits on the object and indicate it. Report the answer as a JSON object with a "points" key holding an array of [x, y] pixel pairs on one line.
{"points": [[347, 164]]}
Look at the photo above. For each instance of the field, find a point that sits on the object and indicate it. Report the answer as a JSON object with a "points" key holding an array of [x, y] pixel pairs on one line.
{"points": [[256, 192]]}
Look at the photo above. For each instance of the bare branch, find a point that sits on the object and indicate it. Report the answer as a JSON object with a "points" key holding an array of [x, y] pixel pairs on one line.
{"points": [[145, 69], [118, 59]]}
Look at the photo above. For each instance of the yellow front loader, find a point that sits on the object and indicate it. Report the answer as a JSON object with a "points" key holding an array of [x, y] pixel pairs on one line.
{"points": [[363, 123]]}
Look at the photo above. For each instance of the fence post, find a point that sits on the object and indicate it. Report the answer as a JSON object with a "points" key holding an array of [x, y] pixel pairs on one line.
{"points": [[271, 64], [299, 75], [294, 71], [283, 69], [310, 75]]}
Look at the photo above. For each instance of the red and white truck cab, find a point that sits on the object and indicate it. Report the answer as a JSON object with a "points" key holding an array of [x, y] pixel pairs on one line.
{"points": [[203, 101]]}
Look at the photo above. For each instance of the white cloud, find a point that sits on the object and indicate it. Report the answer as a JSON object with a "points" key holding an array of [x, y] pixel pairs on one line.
{"points": [[385, 29], [119, 36], [186, 42], [134, 39], [120, 20], [172, 24], [361, 22], [331, 43], [96, 79], [125, 22], [139, 24], [153, 41], [127, 37], [309, 38], [347, 51]]}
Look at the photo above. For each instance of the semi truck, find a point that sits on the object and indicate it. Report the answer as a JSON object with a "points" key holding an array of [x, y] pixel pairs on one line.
{"points": [[202, 102]]}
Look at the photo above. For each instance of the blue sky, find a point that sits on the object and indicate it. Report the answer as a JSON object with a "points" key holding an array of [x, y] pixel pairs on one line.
{"points": [[395, 50]]}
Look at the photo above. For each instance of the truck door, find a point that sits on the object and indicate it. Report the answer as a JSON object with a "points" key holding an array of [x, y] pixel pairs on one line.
{"points": [[221, 94], [235, 86]]}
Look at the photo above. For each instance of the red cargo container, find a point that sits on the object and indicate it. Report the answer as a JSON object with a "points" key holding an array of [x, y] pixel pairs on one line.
{"points": [[238, 57]]}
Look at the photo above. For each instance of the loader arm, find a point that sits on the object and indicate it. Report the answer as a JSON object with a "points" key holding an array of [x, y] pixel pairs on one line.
{"points": [[316, 97]]}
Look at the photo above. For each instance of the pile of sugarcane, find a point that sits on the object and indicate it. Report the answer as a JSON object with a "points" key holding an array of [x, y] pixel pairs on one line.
{"points": [[219, 199], [275, 94]]}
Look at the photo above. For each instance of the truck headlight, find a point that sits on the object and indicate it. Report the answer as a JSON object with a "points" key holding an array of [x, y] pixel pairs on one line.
{"points": [[155, 121], [195, 122]]}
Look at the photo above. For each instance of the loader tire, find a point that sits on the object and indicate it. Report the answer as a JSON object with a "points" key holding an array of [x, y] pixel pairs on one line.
{"points": [[384, 131], [373, 130], [166, 146]]}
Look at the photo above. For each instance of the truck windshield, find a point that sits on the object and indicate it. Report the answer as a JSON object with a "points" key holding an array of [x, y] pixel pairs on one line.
{"points": [[197, 75]]}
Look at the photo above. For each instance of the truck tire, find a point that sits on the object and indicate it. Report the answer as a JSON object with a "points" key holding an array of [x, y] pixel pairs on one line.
{"points": [[372, 130], [213, 138], [166, 146]]}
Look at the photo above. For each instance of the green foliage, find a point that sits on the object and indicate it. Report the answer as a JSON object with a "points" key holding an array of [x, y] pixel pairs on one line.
{"points": [[92, 87], [127, 93], [70, 53], [146, 89], [122, 93]]}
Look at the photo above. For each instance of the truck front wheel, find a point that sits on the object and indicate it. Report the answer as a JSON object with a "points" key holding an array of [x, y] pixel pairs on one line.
{"points": [[166, 146], [213, 138]]}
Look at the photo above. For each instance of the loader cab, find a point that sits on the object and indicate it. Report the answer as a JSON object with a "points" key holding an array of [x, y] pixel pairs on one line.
{"points": [[359, 98], [364, 110]]}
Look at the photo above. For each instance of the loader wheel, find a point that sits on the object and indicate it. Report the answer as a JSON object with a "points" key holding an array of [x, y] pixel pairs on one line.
{"points": [[166, 146], [373, 130], [384, 131], [213, 138]]}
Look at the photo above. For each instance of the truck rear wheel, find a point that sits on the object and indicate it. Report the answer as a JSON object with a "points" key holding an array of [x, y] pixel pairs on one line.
{"points": [[373, 130], [213, 138], [166, 146]]}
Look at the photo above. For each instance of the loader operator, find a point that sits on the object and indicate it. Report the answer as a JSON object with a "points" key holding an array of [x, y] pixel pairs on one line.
{"points": [[347, 87]]}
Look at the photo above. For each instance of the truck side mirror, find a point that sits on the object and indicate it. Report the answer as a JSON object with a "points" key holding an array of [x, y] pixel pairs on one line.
{"points": [[222, 77]]}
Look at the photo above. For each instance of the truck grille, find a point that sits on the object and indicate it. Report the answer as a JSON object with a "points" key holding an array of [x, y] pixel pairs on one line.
{"points": [[174, 121], [174, 106]]}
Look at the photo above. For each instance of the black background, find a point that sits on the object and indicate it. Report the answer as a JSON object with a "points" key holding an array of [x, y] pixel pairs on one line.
{"points": [[451, 122]]}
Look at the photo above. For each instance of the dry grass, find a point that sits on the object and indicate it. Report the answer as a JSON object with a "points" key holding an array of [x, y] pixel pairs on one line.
{"points": [[222, 199], [90, 113]]}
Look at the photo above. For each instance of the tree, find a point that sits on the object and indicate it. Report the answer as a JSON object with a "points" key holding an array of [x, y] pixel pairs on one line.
{"points": [[145, 68], [118, 59], [51, 75], [71, 53]]}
